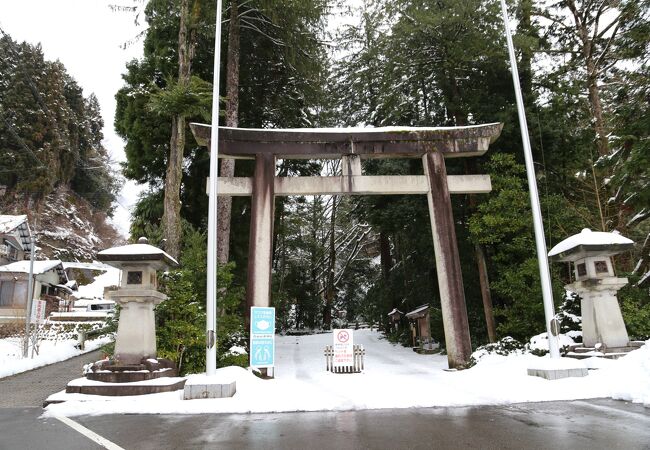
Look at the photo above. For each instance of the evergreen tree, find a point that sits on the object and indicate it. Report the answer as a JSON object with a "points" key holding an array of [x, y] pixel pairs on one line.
{"points": [[50, 135]]}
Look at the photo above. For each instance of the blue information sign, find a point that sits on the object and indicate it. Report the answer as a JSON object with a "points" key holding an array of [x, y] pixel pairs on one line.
{"points": [[262, 337]]}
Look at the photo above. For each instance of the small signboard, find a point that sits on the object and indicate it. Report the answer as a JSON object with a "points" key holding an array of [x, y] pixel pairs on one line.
{"points": [[343, 347], [262, 337], [38, 311]]}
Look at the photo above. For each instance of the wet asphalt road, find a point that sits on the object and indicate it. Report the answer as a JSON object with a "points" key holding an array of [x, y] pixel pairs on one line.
{"points": [[592, 424], [31, 388]]}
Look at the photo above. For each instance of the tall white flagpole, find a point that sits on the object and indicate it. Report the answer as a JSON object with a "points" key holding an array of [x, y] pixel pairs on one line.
{"points": [[211, 297], [540, 241]]}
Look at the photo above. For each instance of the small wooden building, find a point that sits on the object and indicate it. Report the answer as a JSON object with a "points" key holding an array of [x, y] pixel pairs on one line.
{"points": [[421, 328]]}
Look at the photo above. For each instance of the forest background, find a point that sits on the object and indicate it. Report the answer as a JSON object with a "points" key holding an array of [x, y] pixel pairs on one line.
{"points": [[340, 260]]}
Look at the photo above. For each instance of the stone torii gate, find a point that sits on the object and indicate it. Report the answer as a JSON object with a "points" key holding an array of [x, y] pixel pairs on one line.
{"points": [[432, 145]]}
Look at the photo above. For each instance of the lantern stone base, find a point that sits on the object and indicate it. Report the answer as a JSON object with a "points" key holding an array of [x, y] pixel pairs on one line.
{"points": [[149, 376], [85, 386], [580, 351], [203, 386]]}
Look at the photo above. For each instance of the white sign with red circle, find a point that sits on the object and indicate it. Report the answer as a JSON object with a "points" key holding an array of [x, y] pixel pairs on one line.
{"points": [[343, 347]]}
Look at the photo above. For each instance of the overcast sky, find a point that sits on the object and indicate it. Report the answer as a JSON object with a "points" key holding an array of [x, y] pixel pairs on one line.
{"points": [[86, 36]]}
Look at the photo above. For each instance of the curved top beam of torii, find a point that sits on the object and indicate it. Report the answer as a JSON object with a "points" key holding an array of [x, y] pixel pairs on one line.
{"points": [[327, 143]]}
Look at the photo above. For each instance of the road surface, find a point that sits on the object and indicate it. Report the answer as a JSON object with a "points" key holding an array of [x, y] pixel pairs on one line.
{"points": [[593, 424], [33, 387]]}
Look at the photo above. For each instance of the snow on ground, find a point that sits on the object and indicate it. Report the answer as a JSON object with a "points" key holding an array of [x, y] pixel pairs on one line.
{"points": [[394, 377], [50, 351]]}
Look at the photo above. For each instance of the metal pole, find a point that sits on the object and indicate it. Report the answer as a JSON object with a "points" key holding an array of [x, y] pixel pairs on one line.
{"points": [[540, 241], [30, 297], [211, 297]]}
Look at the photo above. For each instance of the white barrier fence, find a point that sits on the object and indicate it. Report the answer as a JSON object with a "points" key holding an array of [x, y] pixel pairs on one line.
{"points": [[356, 367]]}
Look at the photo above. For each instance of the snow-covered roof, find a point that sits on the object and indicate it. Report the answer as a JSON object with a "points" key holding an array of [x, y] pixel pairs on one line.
{"points": [[135, 252], [395, 311], [10, 223], [40, 267], [338, 130], [95, 265], [417, 312], [590, 243]]}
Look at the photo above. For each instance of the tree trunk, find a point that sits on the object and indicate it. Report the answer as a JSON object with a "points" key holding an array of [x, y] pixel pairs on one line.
{"points": [[582, 28], [224, 208], [485, 293], [597, 110], [484, 281], [524, 12], [172, 213], [172, 204], [329, 296], [384, 255]]}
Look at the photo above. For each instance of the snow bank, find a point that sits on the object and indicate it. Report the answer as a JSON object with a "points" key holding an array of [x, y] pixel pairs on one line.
{"points": [[394, 377], [11, 361], [632, 376]]}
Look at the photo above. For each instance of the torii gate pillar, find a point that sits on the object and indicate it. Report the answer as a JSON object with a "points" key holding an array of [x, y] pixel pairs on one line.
{"points": [[260, 251], [450, 277]]}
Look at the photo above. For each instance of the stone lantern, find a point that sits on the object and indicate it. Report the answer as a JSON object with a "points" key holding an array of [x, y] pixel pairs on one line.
{"points": [[597, 285], [137, 295], [395, 316], [135, 369]]}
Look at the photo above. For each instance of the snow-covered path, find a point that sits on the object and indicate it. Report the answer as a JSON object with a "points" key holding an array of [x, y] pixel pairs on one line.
{"points": [[50, 352], [31, 388], [394, 377]]}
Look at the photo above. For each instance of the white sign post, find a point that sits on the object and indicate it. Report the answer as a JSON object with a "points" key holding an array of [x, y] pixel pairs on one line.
{"points": [[343, 348], [38, 311]]}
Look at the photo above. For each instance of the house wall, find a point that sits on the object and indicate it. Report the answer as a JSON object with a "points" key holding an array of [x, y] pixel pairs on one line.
{"points": [[17, 309]]}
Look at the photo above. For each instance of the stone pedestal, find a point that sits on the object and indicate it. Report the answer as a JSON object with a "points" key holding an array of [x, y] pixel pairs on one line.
{"points": [[602, 321], [204, 386], [136, 331]]}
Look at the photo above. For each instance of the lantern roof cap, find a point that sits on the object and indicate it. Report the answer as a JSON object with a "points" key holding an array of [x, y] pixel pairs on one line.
{"points": [[142, 252], [590, 243]]}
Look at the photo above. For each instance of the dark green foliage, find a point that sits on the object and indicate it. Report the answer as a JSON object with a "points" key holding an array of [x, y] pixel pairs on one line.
{"points": [[281, 67], [635, 306], [110, 325], [503, 347], [504, 225], [192, 99], [400, 336], [50, 134], [181, 318], [568, 313]]}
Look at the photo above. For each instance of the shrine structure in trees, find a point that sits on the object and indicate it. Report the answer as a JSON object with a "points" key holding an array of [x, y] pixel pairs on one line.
{"points": [[431, 145]]}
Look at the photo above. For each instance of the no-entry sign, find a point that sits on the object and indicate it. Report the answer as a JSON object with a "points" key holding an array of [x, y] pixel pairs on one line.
{"points": [[343, 348]]}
